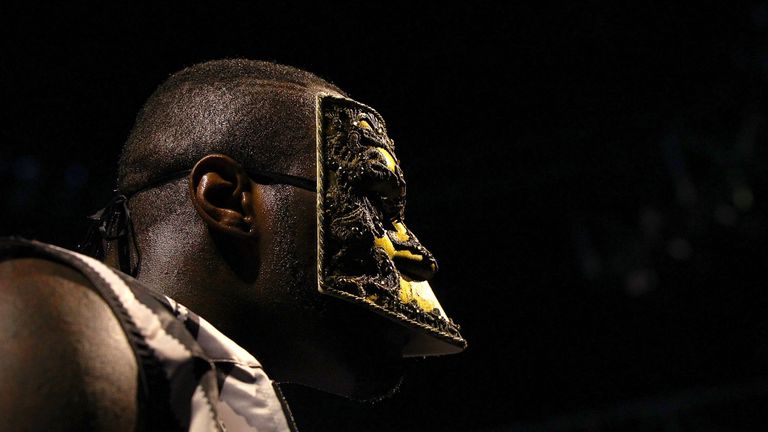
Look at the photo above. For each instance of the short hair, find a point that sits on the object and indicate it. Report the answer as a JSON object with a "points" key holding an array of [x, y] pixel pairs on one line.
{"points": [[252, 111]]}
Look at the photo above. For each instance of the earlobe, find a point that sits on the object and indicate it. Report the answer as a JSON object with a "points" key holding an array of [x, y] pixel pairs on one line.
{"points": [[221, 193]]}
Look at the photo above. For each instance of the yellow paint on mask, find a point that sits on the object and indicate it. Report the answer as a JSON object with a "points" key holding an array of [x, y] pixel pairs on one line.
{"points": [[391, 164], [406, 292], [402, 232], [364, 124], [408, 255], [386, 244], [407, 295]]}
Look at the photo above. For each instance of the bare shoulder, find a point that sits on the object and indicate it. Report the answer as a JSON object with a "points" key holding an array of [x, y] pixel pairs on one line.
{"points": [[66, 363]]}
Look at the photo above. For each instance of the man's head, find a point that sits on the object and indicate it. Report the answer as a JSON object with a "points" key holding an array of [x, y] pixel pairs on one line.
{"points": [[240, 247]]}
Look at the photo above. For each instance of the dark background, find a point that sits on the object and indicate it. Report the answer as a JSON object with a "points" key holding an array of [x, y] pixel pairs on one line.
{"points": [[592, 179]]}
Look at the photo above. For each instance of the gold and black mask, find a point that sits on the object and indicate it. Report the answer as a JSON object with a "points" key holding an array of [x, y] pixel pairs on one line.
{"points": [[366, 253]]}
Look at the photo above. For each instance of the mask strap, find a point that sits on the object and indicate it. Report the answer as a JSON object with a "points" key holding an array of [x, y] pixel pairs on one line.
{"points": [[113, 223]]}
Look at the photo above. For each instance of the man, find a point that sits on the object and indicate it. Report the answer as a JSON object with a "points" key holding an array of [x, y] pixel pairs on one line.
{"points": [[263, 199]]}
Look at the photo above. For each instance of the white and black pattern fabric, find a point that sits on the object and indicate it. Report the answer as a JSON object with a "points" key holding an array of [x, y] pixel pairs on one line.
{"points": [[192, 377], [247, 396]]}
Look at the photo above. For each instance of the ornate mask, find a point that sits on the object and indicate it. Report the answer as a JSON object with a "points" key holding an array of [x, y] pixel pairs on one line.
{"points": [[366, 254]]}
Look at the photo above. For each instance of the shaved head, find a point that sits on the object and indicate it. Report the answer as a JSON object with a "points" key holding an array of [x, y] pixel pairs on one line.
{"points": [[253, 111], [260, 114]]}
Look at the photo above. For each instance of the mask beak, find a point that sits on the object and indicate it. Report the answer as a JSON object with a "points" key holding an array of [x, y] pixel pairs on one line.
{"points": [[421, 343]]}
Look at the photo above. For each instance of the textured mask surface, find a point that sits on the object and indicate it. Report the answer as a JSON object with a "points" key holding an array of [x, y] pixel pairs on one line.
{"points": [[366, 254]]}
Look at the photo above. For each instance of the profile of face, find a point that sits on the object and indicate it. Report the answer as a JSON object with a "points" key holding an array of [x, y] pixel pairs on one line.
{"points": [[367, 254], [338, 272]]}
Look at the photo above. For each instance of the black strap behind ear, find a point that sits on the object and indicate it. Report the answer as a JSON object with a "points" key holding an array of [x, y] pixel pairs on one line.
{"points": [[113, 223]]}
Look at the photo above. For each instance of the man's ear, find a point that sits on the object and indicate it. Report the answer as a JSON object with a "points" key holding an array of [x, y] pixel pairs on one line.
{"points": [[221, 193]]}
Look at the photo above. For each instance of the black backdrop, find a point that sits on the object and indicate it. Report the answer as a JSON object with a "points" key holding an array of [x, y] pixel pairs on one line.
{"points": [[592, 180]]}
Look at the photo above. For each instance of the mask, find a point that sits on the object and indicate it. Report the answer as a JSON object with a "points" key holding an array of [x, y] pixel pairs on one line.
{"points": [[366, 253]]}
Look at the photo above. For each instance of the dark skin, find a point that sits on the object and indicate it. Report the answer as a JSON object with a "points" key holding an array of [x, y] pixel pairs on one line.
{"points": [[62, 370]]}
